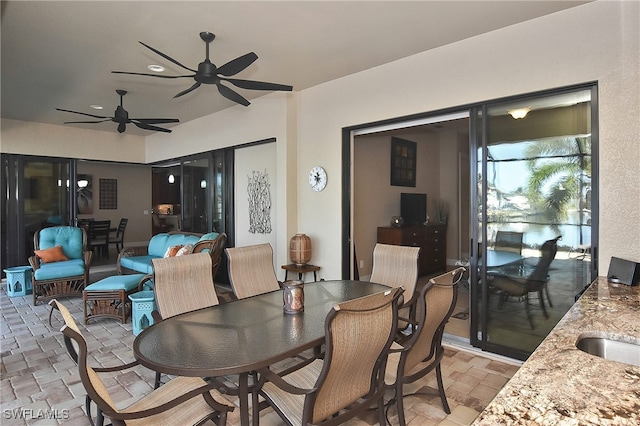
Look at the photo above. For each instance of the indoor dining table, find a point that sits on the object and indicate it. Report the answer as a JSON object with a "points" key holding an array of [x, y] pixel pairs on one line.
{"points": [[244, 335]]}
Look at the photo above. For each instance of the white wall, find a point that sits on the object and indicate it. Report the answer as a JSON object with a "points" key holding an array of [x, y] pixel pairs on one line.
{"points": [[595, 42], [21, 137]]}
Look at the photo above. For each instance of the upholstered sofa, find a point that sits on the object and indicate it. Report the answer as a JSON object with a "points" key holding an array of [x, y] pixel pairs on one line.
{"points": [[61, 262], [139, 258]]}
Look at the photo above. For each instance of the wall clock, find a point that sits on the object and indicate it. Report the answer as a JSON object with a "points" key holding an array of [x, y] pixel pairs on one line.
{"points": [[317, 178]]}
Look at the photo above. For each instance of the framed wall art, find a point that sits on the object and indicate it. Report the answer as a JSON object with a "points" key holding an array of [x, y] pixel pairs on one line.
{"points": [[108, 194], [403, 162]]}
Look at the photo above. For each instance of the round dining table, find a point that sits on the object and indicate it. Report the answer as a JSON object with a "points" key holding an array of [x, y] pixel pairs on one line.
{"points": [[244, 335]]}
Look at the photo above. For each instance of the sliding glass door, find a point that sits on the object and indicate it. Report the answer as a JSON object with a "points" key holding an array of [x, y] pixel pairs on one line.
{"points": [[536, 225], [41, 197]]}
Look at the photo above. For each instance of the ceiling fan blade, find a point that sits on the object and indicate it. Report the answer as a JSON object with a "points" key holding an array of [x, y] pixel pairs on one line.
{"points": [[258, 85], [156, 120], [83, 113], [235, 66], [184, 92], [232, 95], [168, 58], [93, 122], [146, 126], [122, 127], [152, 75]]}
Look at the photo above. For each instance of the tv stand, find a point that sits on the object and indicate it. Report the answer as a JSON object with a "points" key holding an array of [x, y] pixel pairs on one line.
{"points": [[432, 240]]}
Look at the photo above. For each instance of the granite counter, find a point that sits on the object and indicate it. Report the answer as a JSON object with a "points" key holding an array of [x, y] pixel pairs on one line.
{"points": [[562, 385]]}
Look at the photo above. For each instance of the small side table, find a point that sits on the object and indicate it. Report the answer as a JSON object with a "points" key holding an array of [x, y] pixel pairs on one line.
{"points": [[301, 270]]}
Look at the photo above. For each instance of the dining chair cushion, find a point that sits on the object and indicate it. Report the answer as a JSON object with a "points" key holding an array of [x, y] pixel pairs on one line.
{"points": [[53, 254]]}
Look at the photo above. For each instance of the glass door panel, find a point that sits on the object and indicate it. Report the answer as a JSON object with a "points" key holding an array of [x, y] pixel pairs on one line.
{"points": [[534, 197], [41, 199], [195, 185]]}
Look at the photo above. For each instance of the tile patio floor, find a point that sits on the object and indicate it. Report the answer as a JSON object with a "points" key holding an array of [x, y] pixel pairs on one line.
{"points": [[40, 381]]}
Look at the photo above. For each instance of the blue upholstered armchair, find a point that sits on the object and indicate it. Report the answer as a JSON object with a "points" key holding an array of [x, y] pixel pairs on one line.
{"points": [[61, 262]]}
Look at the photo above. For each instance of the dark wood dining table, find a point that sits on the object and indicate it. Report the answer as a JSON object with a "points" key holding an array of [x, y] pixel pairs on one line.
{"points": [[244, 335]]}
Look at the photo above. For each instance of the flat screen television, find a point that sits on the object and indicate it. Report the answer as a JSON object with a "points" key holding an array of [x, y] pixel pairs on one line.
{"points": [[413, 208]]}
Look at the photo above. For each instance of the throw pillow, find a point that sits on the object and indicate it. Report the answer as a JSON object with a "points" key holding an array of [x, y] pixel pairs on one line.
{"points": [[172, 251], [53, 254], [187, 249]]}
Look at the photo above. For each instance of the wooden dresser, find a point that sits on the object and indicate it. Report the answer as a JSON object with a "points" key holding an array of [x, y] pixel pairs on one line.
{"points": [[432, 240]]}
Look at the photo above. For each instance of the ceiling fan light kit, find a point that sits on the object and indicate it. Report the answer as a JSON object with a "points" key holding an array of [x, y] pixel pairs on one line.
{"points": [[209, 73]]}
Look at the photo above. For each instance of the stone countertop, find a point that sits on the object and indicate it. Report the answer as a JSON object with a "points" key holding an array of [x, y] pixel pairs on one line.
{"points": [[561, 385]]}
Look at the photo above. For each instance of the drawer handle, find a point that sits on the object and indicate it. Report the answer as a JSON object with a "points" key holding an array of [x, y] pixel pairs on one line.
{"points": [[415, 234], [436, 231]]}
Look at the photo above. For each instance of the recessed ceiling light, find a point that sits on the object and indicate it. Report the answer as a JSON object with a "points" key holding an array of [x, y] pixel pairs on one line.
{"points": [[156, 68], [95, 106]]}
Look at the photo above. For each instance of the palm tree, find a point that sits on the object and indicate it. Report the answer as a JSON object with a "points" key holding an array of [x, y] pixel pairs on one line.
{"points": [[560, 177]]}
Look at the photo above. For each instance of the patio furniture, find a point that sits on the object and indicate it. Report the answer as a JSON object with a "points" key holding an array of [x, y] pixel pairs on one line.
{"points": [[509, 241], [108, 298], [138, 258], [61, 262], [535, 282], [397, 266], [19, 281], [350, 378], [183, 400], [182, 284], [423, 351], [251, 270], [255, 331]]}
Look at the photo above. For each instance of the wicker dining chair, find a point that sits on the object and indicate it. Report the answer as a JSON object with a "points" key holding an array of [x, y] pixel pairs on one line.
{"points": [[397, 266], [251, 270], [183, 400], [350, 378], [423, 351]]}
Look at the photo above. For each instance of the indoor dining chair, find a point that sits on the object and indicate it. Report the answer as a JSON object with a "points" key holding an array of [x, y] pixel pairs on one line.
{"points": [[397, 266], [182, 400], [99, 237], [251, 270], [350, 378], [118, 239], [423, 351]]}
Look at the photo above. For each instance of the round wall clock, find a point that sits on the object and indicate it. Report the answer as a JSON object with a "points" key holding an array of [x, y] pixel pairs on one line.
{"points": [[317, 178]]}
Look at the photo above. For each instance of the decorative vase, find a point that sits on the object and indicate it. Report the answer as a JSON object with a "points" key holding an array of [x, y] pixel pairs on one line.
{"points": [[300, 249]]}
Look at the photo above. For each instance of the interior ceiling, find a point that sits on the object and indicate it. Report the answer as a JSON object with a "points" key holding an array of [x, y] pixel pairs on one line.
{"points": [[60, 54]]}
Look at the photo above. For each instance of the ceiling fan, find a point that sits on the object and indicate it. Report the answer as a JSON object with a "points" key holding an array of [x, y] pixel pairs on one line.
{"points": [[121, 116], [208, 73]]}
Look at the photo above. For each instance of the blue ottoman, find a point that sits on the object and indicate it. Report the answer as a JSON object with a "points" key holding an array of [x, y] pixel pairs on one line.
{"points": [[143, 304], [19, 281], [108, 297]]}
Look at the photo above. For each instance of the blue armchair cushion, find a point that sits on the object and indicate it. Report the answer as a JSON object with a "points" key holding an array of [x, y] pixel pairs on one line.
{"points": [[66, 268], [69, 237]]}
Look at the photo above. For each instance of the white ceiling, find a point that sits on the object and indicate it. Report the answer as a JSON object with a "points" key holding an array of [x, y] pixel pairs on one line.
{"points": [[60, 54]]}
